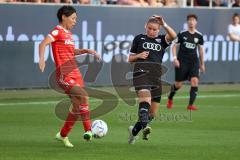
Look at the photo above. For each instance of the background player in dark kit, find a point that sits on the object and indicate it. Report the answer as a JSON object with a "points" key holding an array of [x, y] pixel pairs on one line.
{"points": [[147, 51], [187, 63]]}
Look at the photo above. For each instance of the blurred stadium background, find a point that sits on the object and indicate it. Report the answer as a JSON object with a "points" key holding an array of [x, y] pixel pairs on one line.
{"points": [[28, 122]]}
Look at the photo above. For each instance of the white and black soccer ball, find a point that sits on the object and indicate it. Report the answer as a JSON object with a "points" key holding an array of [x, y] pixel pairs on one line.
{"points": [[99, 128]]}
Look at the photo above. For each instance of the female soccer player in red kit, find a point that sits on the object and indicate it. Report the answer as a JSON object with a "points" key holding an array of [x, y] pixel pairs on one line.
{"points": [[68, 76]]}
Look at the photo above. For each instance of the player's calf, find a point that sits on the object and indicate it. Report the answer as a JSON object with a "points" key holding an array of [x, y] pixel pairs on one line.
{"points": [[143, 117], [171, 95], [143, 113]]}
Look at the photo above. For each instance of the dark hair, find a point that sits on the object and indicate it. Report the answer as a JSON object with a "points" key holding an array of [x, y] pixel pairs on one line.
{"points": [[192, 16], [65, 10], [153, 19], [235, 15]]}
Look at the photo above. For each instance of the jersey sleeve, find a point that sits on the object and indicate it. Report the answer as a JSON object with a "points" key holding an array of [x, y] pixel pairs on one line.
{"points": [[134, 44], [201, 41], [230, 30], [54, 34], [164, 42], [179, 38]]}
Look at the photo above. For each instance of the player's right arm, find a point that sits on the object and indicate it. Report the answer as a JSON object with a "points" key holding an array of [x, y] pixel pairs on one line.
{"points": [[234, 37], [171, 34], [42, 47], [201, 55], [174, 51], [51, 37], [134, 50]]}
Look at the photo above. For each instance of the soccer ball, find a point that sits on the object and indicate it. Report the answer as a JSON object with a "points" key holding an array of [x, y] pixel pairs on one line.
{"points": [[99, 128]]}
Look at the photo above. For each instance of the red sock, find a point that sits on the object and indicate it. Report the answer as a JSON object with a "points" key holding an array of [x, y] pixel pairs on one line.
{"points": [[69, 123], [85, 117]]}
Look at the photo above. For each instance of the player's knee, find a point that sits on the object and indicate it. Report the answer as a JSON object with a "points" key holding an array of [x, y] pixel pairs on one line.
{"points": [[145, 99], [194, 82], [83, 99], [144, 96], [178, 85]]}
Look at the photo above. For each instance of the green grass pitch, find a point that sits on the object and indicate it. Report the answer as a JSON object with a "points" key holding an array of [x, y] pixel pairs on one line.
{"points": [[28, 126]]}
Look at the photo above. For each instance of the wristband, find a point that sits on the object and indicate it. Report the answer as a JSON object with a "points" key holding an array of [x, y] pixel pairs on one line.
{"points": [[165, 25]]}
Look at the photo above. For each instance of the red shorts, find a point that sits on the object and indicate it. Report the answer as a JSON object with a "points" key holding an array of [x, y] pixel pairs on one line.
{"points": [[67, 83]]}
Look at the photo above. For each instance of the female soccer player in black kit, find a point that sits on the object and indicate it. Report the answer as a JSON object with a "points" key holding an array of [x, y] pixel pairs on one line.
{"points": [[187, 62], [147, 51]]}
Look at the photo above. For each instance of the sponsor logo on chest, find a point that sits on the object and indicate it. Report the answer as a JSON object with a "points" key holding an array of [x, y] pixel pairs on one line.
{"points": [[189, 45], [152, 46], [69, 41]]}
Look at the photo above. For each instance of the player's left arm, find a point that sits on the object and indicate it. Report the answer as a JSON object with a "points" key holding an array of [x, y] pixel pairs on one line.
{"points": [[171, 34], [86, 51], [201, 56]]}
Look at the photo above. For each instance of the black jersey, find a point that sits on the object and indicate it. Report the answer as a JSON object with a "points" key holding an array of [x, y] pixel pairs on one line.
{"points": [[188, 45], [155, 46]]}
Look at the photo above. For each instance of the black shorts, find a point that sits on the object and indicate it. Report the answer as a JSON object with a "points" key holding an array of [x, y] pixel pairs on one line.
{"points": [[143, 79], [186, 71]]}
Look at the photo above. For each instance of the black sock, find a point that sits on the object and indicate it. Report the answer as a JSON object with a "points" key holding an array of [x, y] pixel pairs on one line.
{"points": [[193, 95], [143, 117], [137, 127], [173, 92]]}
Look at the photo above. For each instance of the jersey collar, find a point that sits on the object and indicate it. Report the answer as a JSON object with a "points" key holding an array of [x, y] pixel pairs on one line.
{"points": [[63, 29]]}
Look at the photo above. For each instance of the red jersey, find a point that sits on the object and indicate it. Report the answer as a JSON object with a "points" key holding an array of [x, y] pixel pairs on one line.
{"points": [[63, 53]]}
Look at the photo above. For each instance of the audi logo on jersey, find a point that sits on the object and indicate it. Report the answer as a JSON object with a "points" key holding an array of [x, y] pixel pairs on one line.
{"points": [[152, 46]]}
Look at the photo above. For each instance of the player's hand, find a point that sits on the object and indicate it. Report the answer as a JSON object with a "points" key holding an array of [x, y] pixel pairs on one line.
{"points": [[42, 65], [94, 53], [176, 63], [143, 55], [98, 57], [160, 18], [202, 68]]}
